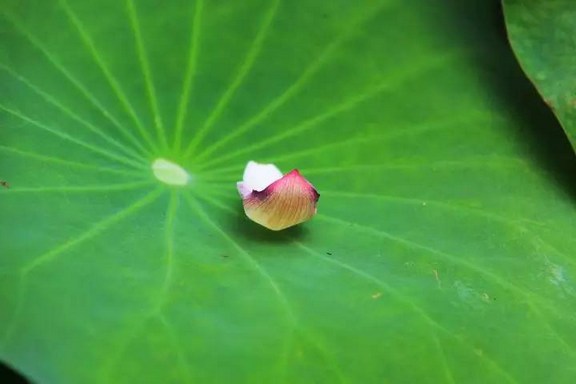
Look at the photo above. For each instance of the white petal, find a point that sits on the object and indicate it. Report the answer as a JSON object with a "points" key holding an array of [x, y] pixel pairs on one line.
{"points": [[258, 176], [244, 190]]}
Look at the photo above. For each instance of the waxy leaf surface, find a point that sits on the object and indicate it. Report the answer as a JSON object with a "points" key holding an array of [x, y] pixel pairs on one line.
{"points": [[442, 251]]}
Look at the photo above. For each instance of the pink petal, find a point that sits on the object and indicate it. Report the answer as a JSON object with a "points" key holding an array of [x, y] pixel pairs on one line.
{"points": [[286, 202]]}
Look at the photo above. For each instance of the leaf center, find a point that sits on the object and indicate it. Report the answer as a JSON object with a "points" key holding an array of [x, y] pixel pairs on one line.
{"points": [[170, 173]]}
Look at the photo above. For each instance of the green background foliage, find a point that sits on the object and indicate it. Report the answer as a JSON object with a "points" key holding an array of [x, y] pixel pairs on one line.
{"points": [[543, 34], [442, 251]]}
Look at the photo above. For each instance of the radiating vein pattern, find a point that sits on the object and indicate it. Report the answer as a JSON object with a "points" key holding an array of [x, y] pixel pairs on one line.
{"points": [[66, 137], [95, 230], [69, 163], [190, 73], [244, 69], [293, 89], [50, 99], [36, 42], [108, 75], [143, 59], [441, 251]]}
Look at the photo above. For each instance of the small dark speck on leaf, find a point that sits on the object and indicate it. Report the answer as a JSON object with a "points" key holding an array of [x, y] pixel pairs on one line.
{"points": [[225, 256], [329, 253], [4, 184]]}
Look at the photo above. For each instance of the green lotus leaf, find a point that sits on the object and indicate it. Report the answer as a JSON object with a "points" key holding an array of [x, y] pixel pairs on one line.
{"points": [[542, 35], [442, 248]]}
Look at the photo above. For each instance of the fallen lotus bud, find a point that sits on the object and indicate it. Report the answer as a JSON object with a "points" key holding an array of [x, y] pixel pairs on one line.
{"points": [[275, 201]]}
